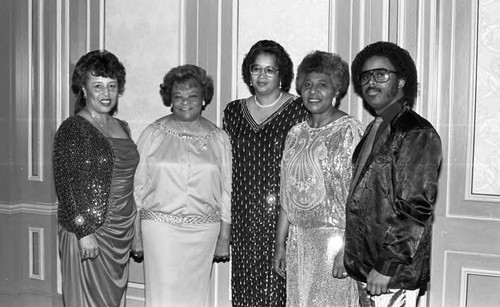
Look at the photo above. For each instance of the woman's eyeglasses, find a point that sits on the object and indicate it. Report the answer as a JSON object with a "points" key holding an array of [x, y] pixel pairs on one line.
{"points": [[381, 75], [270, 71]]}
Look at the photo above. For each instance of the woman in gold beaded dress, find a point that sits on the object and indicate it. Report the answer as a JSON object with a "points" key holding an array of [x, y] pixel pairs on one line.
{"points": [[315, 176], [257, 126], [94, 165], [183, 192]]}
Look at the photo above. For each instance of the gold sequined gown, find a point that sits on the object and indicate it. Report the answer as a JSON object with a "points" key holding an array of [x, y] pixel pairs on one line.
{"points": [[315, 176]]}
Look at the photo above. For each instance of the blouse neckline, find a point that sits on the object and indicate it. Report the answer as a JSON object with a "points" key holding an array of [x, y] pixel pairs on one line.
{"points": [[185, 136], [255, 126], [340, 119]]}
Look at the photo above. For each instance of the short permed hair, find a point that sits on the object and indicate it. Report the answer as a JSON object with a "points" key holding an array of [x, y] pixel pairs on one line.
{"points": [[283, 61], [98, 63], [192, 75], [327, 63], [399, 58]]}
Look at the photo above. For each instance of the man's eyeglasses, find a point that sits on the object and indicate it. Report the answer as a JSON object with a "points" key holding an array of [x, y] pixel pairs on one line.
{"points": [[270, 71], [381, 75]]}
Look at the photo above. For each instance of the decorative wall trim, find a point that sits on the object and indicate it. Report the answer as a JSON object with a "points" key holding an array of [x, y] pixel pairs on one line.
{"points": [[43, 209], [90, 9], [87, 34], [430, 9], [215, 277], [234, 49], [59, 42], [465, 272], [36, 91], [386, 4], [456, 268], [102, 22], [36, 253], [182, 32], [219, 66], [401, 34], [229, 286], [62, 58], [471, 122], [332, 29], [137, 286]]}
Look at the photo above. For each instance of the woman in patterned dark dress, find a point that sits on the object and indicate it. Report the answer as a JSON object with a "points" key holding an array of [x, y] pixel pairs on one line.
{"points": [[257, 126]]}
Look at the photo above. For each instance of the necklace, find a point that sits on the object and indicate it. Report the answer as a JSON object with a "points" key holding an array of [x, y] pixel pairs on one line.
{"points": [[269, 105], [101, 124], [202, 140], [184, 128]]}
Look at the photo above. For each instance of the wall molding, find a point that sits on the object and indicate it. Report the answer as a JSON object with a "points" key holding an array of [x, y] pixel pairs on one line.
{"points": [[62, 61], [35, 91], [36, 253], [458, 265], [136, 286], [42, 209], [464, 280]]}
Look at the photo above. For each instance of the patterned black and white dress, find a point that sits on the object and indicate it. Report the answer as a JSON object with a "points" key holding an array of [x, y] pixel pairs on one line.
{"points": [[257, 151]]}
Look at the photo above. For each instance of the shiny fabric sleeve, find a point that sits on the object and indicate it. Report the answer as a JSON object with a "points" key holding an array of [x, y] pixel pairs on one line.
{"points": [[226, 178], [83, 162], [290, 139], [353, 134], [142, 174], [415, 185]]}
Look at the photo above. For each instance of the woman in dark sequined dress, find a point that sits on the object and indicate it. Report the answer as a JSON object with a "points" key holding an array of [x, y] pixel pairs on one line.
{"points": [[94, 165], [257, 126]]}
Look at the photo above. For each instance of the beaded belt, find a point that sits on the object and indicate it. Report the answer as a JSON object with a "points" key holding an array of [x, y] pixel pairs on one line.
{"points": [[180, 219]]}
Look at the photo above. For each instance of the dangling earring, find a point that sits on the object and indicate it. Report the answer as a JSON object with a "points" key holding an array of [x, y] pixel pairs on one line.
{"points": [[203, 104], [334, 101]]}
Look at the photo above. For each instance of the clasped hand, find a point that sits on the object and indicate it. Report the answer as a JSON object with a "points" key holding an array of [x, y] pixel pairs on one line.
{"points": [[222, 250], [89, 248], [377, 283]]}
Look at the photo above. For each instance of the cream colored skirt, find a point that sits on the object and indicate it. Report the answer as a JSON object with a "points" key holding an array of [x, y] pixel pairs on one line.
{"points": [[178, 262]]}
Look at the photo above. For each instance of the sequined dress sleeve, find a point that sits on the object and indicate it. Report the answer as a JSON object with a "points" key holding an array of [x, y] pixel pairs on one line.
{"points": [[83, 162]]}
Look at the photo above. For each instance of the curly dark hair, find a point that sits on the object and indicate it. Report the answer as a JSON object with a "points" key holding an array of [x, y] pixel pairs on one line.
{"points": [[187, 74], [98, 63], [327, 63], [283, 60], [399, 58]]}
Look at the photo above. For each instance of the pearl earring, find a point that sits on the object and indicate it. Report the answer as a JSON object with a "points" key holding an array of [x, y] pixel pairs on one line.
{"points": [[334, 101]]}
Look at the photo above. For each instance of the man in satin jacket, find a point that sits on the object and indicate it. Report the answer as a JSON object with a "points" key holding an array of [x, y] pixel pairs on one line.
{"points": [[391, 201]]}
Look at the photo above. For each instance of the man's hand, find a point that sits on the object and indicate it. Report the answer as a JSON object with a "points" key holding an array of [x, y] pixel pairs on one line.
{"points": [[377, 283]]}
